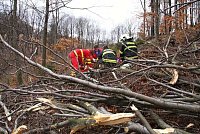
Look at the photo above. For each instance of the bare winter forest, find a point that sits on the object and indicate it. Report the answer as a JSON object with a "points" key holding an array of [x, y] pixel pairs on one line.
{"points": [[159, 94]]}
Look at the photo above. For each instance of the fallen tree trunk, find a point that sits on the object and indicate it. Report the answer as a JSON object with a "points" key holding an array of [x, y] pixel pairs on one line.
{"points": [[160, 102], [62, 98]]}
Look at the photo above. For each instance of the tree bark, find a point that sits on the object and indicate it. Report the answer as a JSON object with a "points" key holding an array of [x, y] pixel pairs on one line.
{"points": [[44, 54], [15, 44], [157, 8], [152, 17]]}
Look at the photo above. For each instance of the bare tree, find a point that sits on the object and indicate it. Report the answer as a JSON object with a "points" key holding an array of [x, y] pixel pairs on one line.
{"points": [[192, 15], [81, 23], [15, 42], [157, 18], [130, 27], [117, 32], [44, 54], [54, 24]]}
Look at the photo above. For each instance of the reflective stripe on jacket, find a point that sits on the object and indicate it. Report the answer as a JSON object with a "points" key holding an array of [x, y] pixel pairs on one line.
{"points": [[128, 50], [82, 55], [109, 56], [88, 61]]}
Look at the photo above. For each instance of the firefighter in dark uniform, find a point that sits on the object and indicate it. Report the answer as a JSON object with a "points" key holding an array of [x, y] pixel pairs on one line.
{"points": [[128, 49], [108, 58]]}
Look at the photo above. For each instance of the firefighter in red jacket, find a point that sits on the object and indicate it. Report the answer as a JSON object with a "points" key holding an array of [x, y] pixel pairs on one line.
{"points": [[82, 59]]}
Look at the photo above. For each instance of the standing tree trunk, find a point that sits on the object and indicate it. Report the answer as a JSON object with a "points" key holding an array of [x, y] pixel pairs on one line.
{"points": [[153, 17], [191, 14], [197, 5], [186, 18], [44, 55], [176, 15], [157, 7], [144, 18], [57, 21], [165, 15], [54, 31], [170, 14], [15, 43]]}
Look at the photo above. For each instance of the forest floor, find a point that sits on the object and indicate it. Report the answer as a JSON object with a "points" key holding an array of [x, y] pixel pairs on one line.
{"points": [[152, 83]]}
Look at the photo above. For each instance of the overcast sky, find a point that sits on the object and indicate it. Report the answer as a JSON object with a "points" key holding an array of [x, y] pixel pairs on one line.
{"points": [[108, 13]]}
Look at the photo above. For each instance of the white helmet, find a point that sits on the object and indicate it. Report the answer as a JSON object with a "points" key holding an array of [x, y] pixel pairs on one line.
{"points": [[125, 37]]}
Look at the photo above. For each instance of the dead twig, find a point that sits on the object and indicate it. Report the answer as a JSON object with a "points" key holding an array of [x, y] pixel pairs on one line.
{"points": [[143, 120]]}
